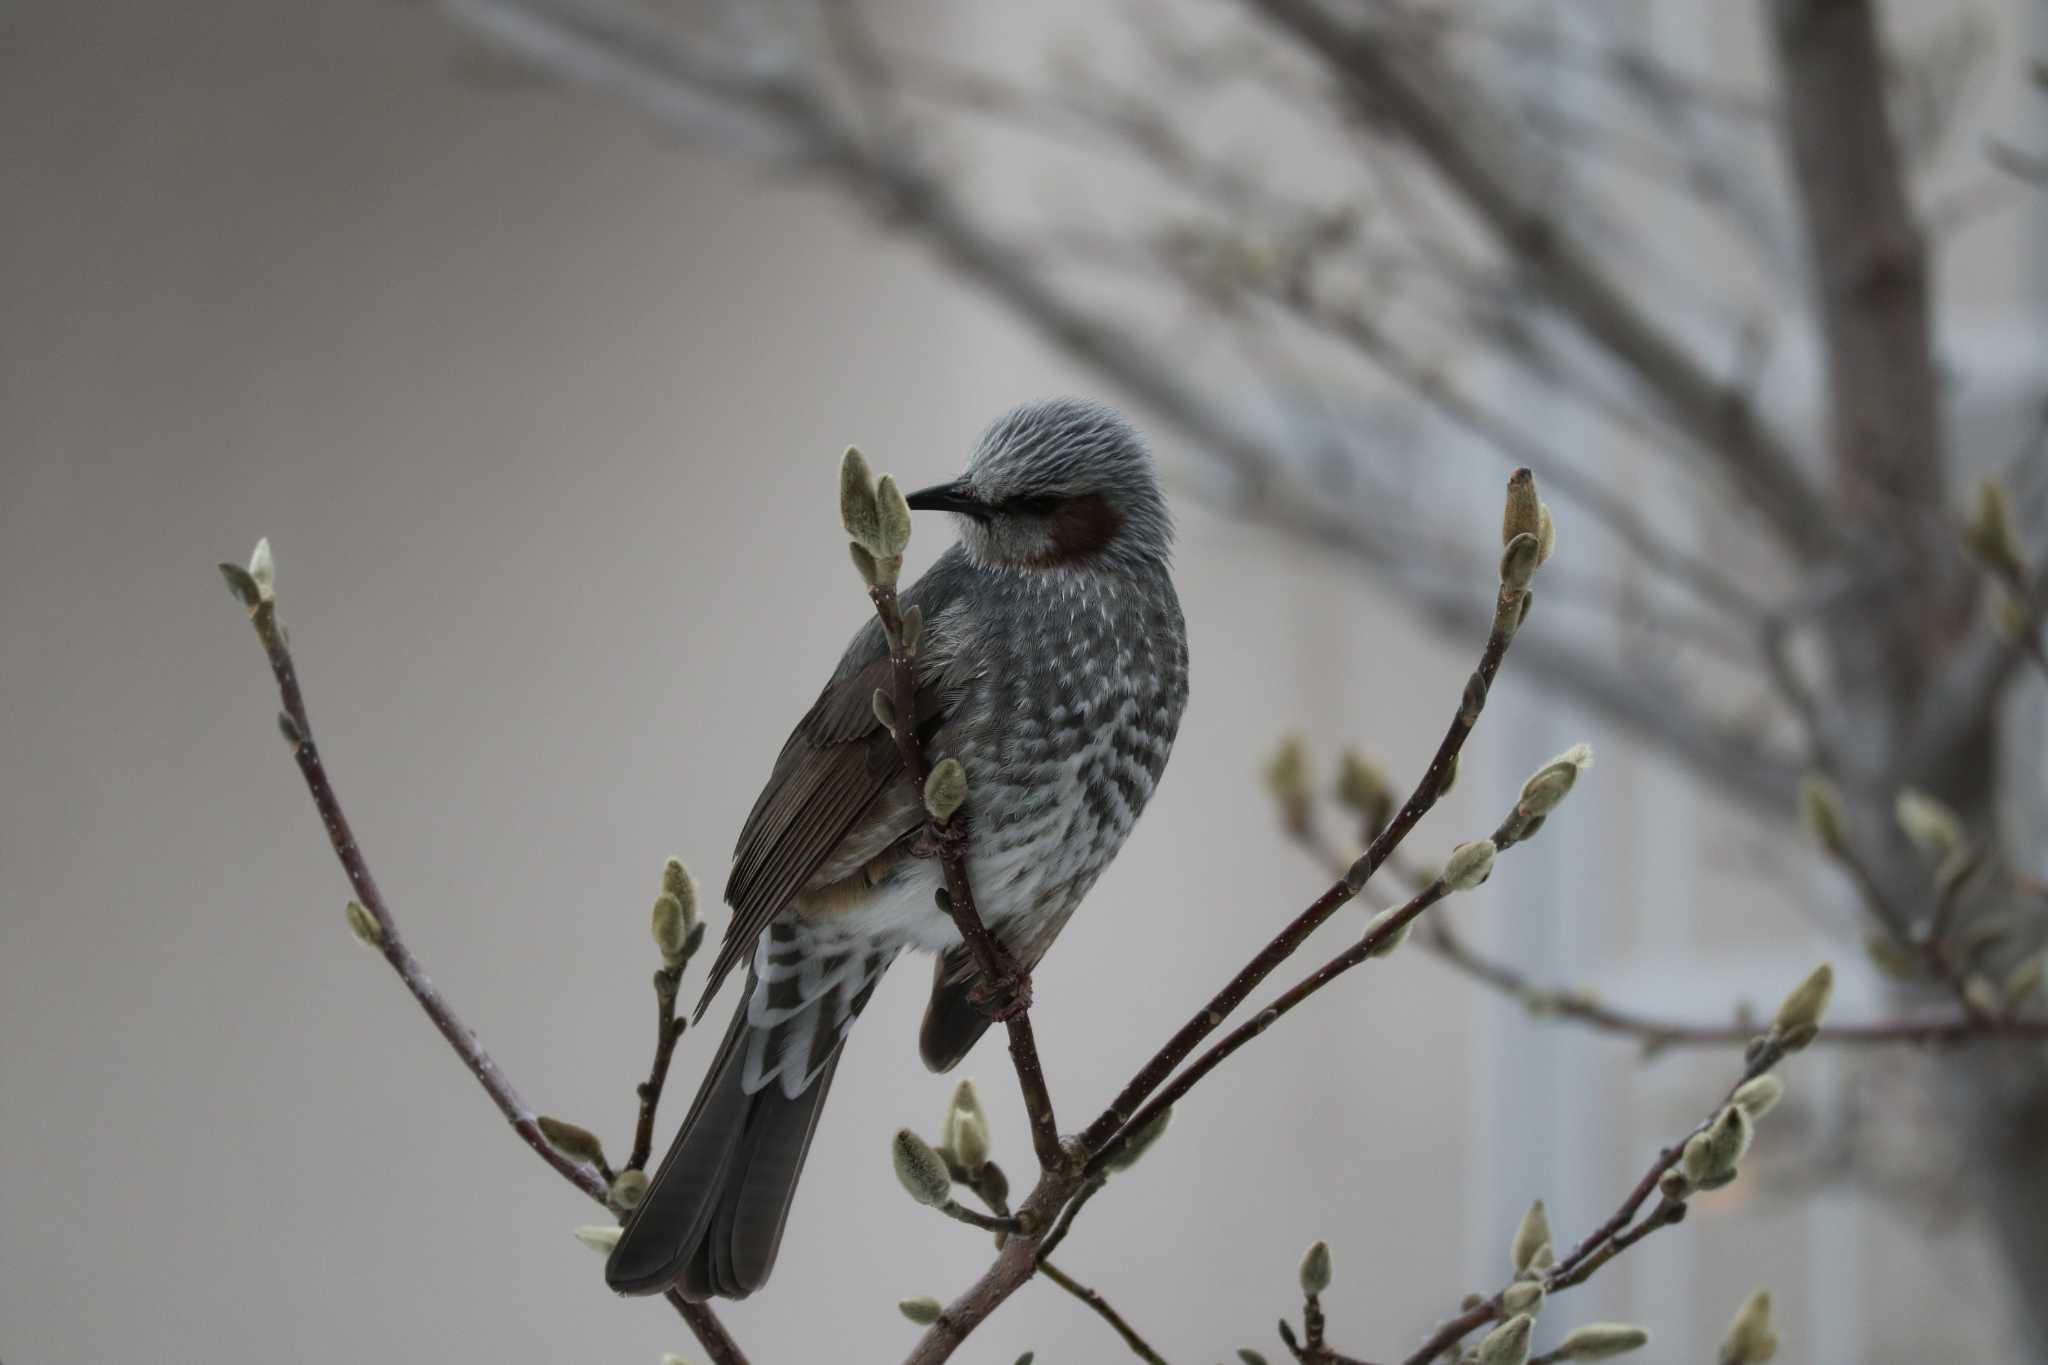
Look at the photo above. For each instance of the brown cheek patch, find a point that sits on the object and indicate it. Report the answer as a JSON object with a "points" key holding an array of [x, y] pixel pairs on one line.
{"points": [[1081, 527]]}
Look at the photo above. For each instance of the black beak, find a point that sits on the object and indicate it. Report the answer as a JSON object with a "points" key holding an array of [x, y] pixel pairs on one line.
{"points": [[950, 497]]}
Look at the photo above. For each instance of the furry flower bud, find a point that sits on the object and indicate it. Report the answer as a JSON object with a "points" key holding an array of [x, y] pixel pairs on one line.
{"points": [[967, 1133], [1507, 1344], [1600, 1341], [364, 926], [1532, 1234], [1806, 1004], [1315, 1269], [924, 1310], [1751, 1338], [945, 790], [1469, 864], [857, 510], [578, 1144], [1820, 810], [1758, 1096], [1934, 829], [922, 1170]]}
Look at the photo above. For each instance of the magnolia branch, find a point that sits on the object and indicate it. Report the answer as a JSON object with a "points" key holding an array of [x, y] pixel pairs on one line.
{"points": [[371, 918]]}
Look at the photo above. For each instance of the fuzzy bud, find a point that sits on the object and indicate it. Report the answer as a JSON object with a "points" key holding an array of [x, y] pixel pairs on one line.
{"points": [[578, 1144], [1378, 923], [1600, 1341], [244, 587], [1989, 536], [627, 1190], [1820, 810], [671, 1358], [600, 1238], [913, 628], [1751, 1338], [1363, 787], [263, 571], [1551, 783], [1983, 996], [1523, 1297], [857, 510], [1934, 829], [1287, 778], [923, 1311], [1532, 1234], [893, 514], [1315, 1269], [1469, 865], [1247, 1356], [864, 563], [1758, 1096], [884, 708], [1546, 535], [1806, 1004], [364, 926], [1518, 562], [922, 1170], [1140, 1142], [1714, 1152], [1507, 1344], [945, 790], [967, 1134], [1524, 512], [1673, 1186], [669, 933]]}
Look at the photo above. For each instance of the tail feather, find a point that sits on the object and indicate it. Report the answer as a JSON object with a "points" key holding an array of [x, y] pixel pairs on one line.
{"points": [[711, 1221]]}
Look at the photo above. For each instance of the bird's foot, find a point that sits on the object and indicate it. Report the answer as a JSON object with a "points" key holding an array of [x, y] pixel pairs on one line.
{"points": [[1004, 998], [940, 841]]}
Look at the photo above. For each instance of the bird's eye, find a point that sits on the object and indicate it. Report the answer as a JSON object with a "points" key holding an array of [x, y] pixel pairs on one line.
{"points": [[1034, 506]]}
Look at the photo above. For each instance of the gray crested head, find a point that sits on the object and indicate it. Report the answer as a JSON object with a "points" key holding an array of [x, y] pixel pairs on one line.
{"points": [[1058, 483]]}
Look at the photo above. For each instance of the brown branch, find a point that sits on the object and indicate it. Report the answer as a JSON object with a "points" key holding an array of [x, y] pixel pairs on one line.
{"points": [[1000, 975], [1403, 86], [1116, 1123], [1614, 1236], [1141, 1348], [298, 732], [668, 1031]]}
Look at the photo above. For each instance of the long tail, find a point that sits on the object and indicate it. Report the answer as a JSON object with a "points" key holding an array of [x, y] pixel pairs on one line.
{"points": [[712, 1218]]}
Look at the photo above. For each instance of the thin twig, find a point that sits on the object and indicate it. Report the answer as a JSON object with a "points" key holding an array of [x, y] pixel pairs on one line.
{"points": [[668, 1031], [1093, 1298], [1113, 1128], [298, 731]]}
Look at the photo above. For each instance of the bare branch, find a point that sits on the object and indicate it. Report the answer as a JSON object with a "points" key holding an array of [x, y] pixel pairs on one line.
{"points": [[298, 732]]}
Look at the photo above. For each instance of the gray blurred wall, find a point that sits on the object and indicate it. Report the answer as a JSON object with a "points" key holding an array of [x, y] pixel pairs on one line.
{"points": [[541, 416]]}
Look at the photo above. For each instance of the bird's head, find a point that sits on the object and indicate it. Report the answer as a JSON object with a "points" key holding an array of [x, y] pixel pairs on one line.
{"points": [[1058, 483]]}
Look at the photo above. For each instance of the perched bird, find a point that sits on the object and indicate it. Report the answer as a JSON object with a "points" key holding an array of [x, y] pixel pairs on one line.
{"points": [[1053, 666]]}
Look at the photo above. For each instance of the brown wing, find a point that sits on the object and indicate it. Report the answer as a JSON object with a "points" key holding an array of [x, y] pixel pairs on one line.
{"points": [[827, 789]]}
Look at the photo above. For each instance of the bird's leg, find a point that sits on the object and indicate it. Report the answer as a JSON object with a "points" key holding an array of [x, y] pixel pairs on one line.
{"points": [[945, 841]]}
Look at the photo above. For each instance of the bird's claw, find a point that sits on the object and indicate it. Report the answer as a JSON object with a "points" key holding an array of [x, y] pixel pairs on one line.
{"points": [[1004, 998], [940, 841]]}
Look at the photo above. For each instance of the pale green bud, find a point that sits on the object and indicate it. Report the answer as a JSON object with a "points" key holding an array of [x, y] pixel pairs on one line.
{"points": [[1600, 1341], [671, 1358], [1391, 941], [893, 515], [1546, 536], [1892, 957], [667, 924], [922, 1311], [1315, 1268], [1751, 1338], [885, 709], [857, 510], [628, 1189], [1287, 777], [578, 1144], [1140, 1143], [1934, 829], [922, 1170], [1518, 562], [1714, 1152], [1524, 512], [1674, 1186], [1469, 864], [1758, 1096], [913, 627], [1507, 1344], [945, 790], [1806, 1004], [600, 1238], [1362, 786], [864, 563], [244, 587], [1247, 1356], [1523, 1296], [1989, 536], [1820, 810], [1983, 996], [1532, 1234], [967, 1132], [1547, 788], [364, 925], [263, 571]]}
